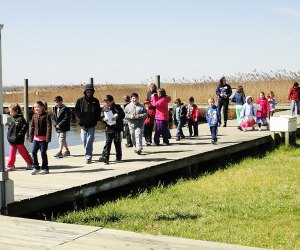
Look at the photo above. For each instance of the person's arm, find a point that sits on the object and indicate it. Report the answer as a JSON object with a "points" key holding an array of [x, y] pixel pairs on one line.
{"points": [[78, 111], [32, 128], [290, 94], [23, 128], [49, 128], [65, 118], [218, 91]]}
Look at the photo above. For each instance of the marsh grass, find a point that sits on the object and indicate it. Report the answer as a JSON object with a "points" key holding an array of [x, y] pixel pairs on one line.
{"points": [[201, 89], [255, 203]]}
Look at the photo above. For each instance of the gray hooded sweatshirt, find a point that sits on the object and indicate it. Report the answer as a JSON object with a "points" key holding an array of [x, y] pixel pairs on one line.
{"points": [[140, 115]]}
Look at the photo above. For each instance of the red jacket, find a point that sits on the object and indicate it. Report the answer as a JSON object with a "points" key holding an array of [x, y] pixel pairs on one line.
{"points": [[294, 93], [151, 116], [193, 112], [264, 108]]}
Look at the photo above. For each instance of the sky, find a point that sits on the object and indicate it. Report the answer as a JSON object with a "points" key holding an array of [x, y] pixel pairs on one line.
{"points": [[131, 41]]}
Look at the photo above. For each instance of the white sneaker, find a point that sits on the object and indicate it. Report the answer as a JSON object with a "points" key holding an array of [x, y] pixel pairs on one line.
{"points": [[35, 171], [259, 129], [44, 171]]}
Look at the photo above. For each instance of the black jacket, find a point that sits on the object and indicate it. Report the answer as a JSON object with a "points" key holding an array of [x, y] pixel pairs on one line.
{"points": [[17, 130], [62, 118], [116, 109], [88, 111]]}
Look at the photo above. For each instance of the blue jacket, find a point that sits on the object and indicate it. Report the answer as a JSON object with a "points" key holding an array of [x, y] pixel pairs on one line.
{"points": [[213, 117], [239, 99]]}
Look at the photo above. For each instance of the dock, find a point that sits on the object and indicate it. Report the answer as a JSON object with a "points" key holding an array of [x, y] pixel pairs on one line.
{"points": [[71, 179]]}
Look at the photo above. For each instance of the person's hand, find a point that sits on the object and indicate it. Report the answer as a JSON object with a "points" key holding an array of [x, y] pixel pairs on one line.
{"points": [[195, 120], [57, 126], [114, 119]]}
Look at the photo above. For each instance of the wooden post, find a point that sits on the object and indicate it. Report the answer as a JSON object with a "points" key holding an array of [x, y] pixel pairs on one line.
{"points": [[92, 81], [287, 138], [26, 114], [158, 81]]}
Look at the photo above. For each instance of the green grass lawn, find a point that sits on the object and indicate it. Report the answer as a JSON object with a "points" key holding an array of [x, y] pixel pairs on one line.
{"points": [[255, 203]]}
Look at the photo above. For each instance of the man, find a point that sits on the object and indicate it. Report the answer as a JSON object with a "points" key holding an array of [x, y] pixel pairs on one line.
{"points": [[61, 122], [112, 114], [87, 110]]}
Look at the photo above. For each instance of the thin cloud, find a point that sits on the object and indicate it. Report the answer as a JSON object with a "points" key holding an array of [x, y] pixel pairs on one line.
{"points": [[287, 11]]}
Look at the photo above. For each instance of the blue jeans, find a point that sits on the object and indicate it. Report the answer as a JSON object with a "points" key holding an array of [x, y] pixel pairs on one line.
{"points": [[295, 103], [214, 133], [43, 146], [87, 137], [179, 132]]}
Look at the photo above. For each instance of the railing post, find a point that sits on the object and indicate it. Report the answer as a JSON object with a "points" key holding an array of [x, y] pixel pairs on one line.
{"points": [[92, 81], [26, 114], [158, 81]]}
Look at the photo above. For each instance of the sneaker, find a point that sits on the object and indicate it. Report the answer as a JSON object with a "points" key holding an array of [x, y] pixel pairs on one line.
{"points": [[178, 139], [29, 167], [154, 144], [12, 168], [213, 142], [183, 137], [35, 171], [58, 155], [128, 145], [139, 152], [165, 144], [44, 171], [104, 159], [119, 160], [148, 143], [66, 153], [259, 129], [244, 129], [88, 161]]}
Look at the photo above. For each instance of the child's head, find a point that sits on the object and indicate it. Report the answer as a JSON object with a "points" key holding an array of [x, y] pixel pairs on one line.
{"points": [[58, 101], [39, 107], [240, 89], [211, 102], [296, 85], [109, 100], [126, 98], [161, 93], [248, 99], [178, 102], [191, 100], [15, 109], [271, 94], [262, 95], [134, 98], [147, 103]]}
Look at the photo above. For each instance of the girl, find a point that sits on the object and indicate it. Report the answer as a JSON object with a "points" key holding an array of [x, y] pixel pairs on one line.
{"points": [[239, 99], [263, 111], [160, 102], [272, 102], [248, 114], [149, 122], [16, 136], [40, 136]]}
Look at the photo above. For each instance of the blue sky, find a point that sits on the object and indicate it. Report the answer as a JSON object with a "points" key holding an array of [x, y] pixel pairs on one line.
{"points": [[130, 41]]}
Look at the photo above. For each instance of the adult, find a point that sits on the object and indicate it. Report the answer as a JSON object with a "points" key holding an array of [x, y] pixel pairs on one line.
{"points": [[152, 90], [294, 96], [87, 110], [223, 93], [160, 102], [61, 123]]}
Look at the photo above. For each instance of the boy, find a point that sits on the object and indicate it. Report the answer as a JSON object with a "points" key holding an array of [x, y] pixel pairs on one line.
{"points": [[112, 115], [192, 116], [136, 113], [213, 119], [61, 122], [179, 118]]}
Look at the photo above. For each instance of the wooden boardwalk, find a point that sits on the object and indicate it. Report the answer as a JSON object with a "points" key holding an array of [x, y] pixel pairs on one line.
{"points": [[70, 178], [19, 233]]}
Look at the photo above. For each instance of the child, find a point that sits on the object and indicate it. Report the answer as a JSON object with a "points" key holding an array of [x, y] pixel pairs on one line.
{"points": [[179, 118], [112, 114], [272, 102], [213, 119], [126, 132], [192, 116], [239, 99], [61, 122], [248, 114], [263, 111], [136, 113], [294, 96], [40, 136], [149, 122], [16, 136], [160, 102]]}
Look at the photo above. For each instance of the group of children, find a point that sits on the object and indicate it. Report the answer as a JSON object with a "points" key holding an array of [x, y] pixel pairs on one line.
{"points": [[134, 119]]}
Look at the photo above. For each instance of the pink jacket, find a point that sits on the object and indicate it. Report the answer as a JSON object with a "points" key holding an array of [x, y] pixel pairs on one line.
{"points": [[161, 105], [264, 108]]}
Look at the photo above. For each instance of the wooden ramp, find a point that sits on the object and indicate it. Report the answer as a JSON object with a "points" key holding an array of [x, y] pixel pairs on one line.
{"points": [[71, 179]]}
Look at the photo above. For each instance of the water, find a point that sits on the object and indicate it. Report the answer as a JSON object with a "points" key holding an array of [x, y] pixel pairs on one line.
{"points": [[73, 137]]}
